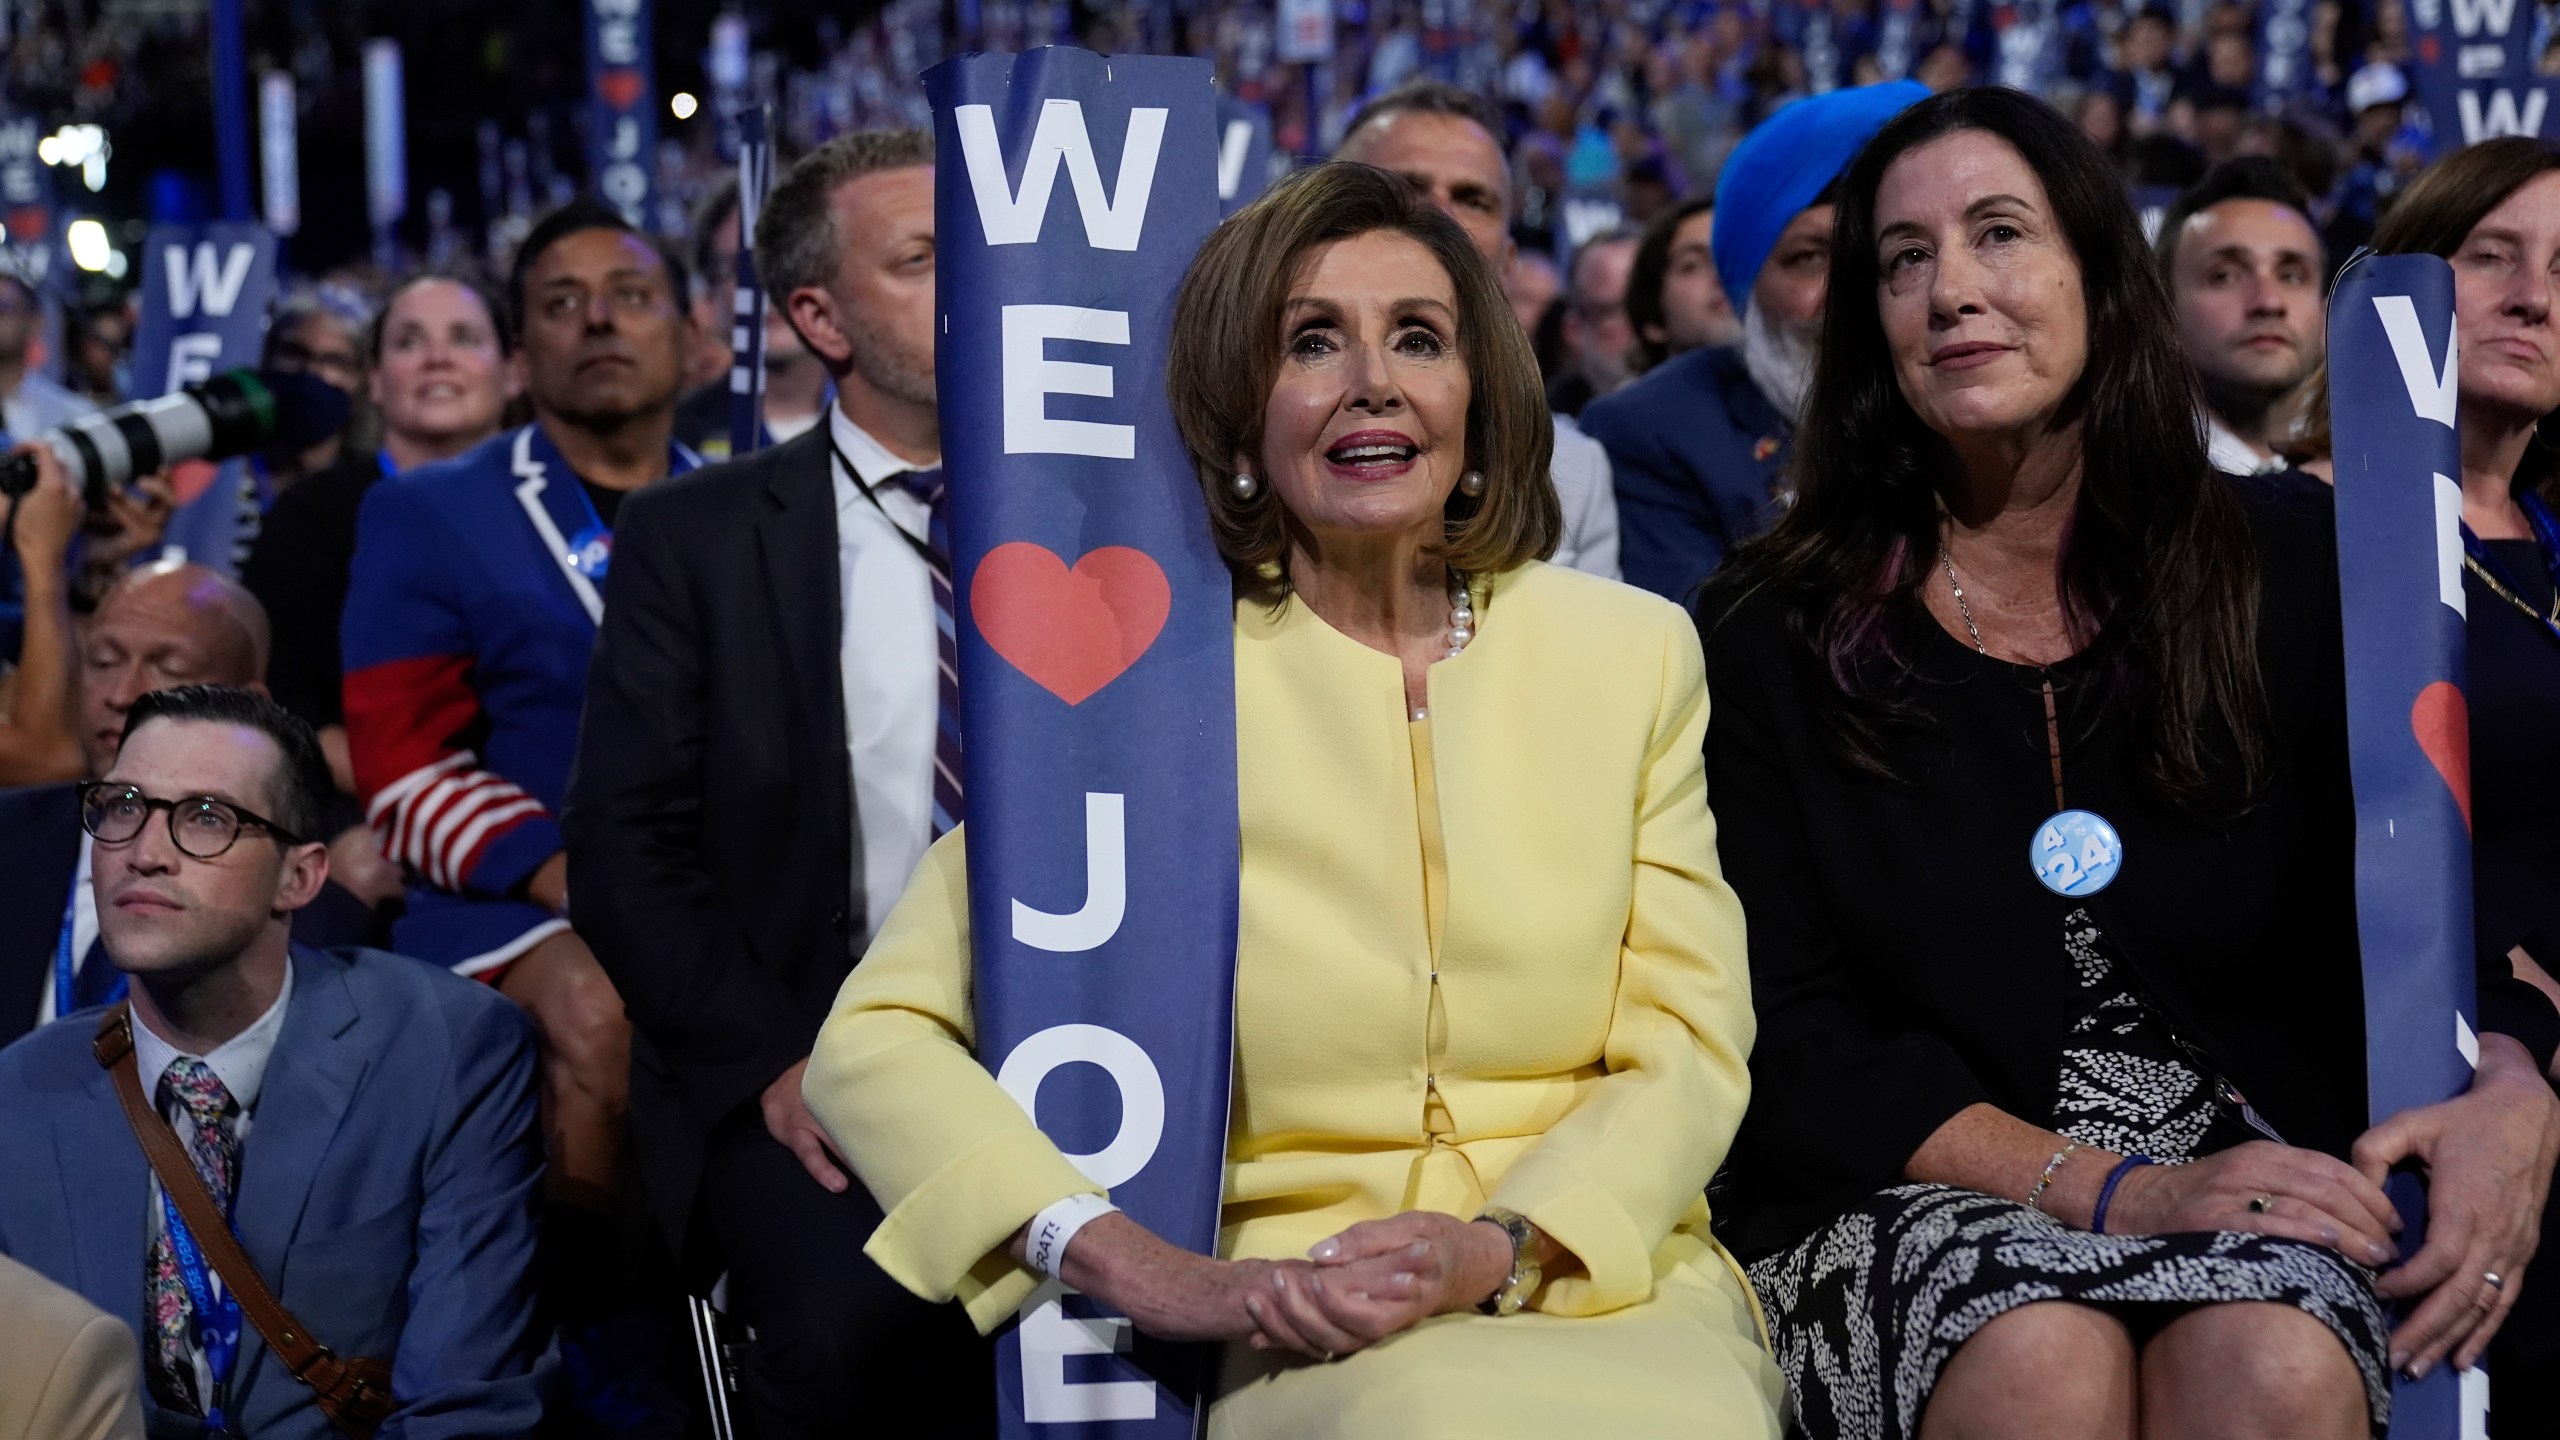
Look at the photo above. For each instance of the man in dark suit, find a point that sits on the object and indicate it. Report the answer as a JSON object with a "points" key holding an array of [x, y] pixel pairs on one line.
{"points": [[165, 624], [367, 1122], [733, 840]]}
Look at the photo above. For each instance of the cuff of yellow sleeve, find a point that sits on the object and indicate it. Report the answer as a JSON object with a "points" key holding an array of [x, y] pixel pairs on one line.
{"points": [[946, 1238], [1586, 1220]]}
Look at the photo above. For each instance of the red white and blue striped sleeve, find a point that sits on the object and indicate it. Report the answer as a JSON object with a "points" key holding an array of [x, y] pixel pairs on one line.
{"points": [[415, 723]]}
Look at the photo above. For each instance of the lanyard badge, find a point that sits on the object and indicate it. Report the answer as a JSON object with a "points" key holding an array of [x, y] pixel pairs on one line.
{"points": [[217, 1321]]}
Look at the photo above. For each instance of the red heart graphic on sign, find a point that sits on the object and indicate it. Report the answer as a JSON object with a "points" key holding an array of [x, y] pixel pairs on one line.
{"points": [[1072, 631], [2442, 722], [620, 88]]}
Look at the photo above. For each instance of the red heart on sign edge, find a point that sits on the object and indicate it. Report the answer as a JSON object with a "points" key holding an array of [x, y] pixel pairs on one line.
{"points": [[2441, 719], [620, 88], [1070, 631]]}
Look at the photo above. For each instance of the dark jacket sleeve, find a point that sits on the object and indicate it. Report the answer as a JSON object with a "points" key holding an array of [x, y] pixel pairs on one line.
{"points": [[640, 887], [1669, 536], [298, 570], [1841, 1096]]}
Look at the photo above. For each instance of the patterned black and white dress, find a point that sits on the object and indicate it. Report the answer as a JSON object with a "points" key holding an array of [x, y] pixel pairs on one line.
{"points": [[1867, 1311]]}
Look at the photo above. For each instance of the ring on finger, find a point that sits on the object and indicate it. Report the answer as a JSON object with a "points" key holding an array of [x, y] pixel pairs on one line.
{"points": [[2493, 1280], [2262, 1204]]}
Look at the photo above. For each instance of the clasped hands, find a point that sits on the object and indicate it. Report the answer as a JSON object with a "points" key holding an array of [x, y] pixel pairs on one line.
{"points": [[1371, 1281], [2489, 1155]]}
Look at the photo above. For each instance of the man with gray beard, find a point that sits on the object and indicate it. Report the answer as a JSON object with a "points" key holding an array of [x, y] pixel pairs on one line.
{"points": [[769, 744]]}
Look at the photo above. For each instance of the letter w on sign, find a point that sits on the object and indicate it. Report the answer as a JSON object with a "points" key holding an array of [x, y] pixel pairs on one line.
{"points": [[1111, 222], [1097, 677]]}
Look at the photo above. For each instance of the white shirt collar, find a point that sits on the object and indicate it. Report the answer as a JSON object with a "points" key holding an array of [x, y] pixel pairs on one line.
{"points": [[870, 459], [2233, 455], [239, 1062]]}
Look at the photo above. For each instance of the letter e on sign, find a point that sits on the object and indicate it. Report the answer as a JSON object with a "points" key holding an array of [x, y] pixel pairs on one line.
{"points": [[1030, 377]]}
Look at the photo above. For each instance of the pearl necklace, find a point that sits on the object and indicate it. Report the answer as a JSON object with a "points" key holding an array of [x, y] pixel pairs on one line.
{"points": [[1462, 615], [1462, 625]]}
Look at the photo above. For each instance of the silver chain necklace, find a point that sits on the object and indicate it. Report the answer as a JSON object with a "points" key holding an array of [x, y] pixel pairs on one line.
{"points": [[1948, 563]]}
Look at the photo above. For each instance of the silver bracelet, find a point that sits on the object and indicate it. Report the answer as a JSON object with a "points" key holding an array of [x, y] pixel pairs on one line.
{"points": [[2052, 1167]]}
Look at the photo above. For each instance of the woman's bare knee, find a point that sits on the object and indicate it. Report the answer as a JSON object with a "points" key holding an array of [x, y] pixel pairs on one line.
{"points": [[2049, 1369], [2246, 1370]]}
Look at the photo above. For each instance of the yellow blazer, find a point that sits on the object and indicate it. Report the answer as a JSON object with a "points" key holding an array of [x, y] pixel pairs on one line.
{"points": [[1570, 1044]]}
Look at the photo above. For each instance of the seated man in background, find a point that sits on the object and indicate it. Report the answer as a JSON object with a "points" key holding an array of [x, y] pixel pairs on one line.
{"points": [[166, 624], [366, 1122], [2245, 268], [1447, 144], [1699, 443]]}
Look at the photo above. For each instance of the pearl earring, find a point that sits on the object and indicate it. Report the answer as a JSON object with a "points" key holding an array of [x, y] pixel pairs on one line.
{"points": [[1471, 484], [1245, 486]]}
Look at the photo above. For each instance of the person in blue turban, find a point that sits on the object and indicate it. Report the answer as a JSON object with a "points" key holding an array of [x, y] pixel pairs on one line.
{"points": [[1699, 443]]}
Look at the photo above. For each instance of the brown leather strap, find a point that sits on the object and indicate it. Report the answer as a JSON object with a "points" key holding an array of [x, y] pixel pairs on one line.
{"points": [[353, 1393]]}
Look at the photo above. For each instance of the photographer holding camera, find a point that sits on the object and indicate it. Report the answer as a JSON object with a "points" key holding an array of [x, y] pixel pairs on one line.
{"points": [[38, 742]]}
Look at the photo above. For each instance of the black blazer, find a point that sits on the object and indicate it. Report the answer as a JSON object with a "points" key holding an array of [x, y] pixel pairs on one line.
{"points": [[39, 853], [709, 817], [1905, 961]]}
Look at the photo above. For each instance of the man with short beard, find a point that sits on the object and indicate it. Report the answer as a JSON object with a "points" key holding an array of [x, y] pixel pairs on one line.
{"points": [[2244, 267], [770, 743], [1699, 443]]}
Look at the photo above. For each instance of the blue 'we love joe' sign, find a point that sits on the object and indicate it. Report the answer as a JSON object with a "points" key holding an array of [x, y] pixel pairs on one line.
{"points": [[2393, 378], [1097, 670]]}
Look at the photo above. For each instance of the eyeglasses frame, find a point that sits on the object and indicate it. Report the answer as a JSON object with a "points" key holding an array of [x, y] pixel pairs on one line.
{"points": [[246, 818]]}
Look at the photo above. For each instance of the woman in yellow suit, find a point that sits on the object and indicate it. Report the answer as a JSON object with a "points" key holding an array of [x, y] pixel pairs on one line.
{"points": [[1492, 1008]]}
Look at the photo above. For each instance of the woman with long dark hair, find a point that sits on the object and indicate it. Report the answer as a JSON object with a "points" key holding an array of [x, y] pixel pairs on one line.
{"points": [[2029, 763]]}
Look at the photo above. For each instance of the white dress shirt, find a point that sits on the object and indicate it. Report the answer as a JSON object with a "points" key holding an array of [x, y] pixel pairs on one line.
{"points": [[1590, 495], [2230, 454], [240, 1063], [891, 674], [84, 929]]}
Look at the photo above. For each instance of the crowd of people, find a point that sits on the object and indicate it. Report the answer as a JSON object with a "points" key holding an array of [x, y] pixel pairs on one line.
{"points": [[524, 869]]}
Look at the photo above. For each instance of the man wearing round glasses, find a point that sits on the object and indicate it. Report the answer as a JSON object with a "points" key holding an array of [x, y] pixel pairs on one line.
{"points": [[163, 625], [367, 1122]]}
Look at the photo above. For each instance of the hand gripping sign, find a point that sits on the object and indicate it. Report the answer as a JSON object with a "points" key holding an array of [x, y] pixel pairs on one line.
{"points": [[2393, 376], [1097, 671]]}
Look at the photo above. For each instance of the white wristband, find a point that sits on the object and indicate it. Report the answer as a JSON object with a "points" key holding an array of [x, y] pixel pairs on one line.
{"points": [[1051, 1229]]}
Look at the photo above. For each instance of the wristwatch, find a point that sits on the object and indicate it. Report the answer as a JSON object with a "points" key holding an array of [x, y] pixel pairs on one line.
{"points": [[1513, 1293]]}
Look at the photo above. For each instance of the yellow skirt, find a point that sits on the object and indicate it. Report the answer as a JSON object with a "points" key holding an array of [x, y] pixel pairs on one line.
{"points": [[1687, 1363]]}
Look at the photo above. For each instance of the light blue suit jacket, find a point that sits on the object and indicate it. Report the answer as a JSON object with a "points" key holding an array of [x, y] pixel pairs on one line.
{"points": [[387, 1194]]}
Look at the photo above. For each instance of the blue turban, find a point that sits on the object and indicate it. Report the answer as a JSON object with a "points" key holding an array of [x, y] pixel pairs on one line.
{"points": [[1784, 163]]}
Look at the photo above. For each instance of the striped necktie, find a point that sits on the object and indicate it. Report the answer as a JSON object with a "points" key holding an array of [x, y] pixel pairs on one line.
{"points": [[948, 811]]}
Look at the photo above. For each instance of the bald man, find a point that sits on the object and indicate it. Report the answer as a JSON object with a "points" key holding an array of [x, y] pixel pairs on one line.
{"points": [[163, 625]]}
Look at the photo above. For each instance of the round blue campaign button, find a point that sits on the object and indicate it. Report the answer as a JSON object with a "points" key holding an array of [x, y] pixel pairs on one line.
{"points": [[591, 552], [2076, 853]]}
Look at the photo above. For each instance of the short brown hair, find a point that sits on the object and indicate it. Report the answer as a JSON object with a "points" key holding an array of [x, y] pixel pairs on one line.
{"points": [[1226, 353], [797, 246]]}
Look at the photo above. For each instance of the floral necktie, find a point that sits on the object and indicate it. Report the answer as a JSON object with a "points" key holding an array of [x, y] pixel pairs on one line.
{"points": [[197, 1104]]}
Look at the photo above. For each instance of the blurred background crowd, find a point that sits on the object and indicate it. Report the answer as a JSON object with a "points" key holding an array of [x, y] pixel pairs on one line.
{"points": [[1616, 110]]}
